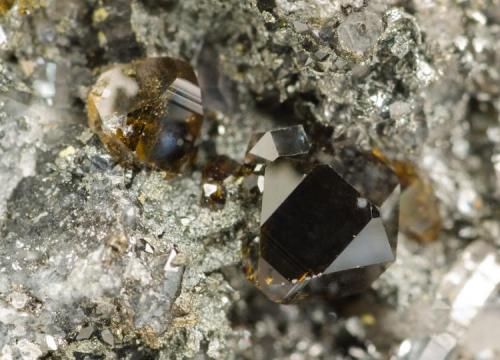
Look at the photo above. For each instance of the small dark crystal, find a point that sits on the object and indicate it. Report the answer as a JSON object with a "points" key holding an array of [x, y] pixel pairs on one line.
{"points": [[214, 173]]}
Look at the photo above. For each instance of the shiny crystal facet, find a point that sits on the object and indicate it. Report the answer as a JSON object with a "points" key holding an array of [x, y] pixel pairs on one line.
{"points": [[327, 228], [280, 180], [148, 112], [285, 142]]}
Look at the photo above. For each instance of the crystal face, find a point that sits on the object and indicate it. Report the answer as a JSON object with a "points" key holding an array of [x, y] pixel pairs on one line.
{"points": [[277, 143], [148, 112], [326, 227]]}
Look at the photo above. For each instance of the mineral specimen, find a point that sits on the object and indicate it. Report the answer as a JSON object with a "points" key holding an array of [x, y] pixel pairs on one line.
{"points": [[215, 171], [417, 79], [325, 227], [148, 112]]}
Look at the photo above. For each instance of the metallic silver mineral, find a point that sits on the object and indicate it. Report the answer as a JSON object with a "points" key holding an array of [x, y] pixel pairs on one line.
{"points": [[86, 244]]}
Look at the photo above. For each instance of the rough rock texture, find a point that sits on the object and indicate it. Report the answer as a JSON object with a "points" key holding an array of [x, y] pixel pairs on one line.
{"points": [[99, 261]]}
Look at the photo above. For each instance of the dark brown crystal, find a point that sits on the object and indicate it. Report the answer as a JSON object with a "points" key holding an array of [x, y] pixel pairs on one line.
{"points": [[327, 226], [214, 194], [219, 168], [322, 208]]}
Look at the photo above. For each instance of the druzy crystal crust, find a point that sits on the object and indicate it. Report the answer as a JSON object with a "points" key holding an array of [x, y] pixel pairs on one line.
{"points": [[148, 112], [327, 226]]}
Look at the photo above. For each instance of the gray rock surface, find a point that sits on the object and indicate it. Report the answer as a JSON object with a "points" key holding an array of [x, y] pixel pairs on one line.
{"points": [[102, 262]]}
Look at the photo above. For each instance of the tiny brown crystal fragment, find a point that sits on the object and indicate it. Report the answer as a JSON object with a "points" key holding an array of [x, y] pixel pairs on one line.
{"points": [[215, 171], [148, 113], [219, 168], [214, 194]]}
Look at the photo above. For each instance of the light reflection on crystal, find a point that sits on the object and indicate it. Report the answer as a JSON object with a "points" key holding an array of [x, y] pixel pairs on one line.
{"points": [[369, 247], [148, 112], [279, 182], [3, 37], [46, 87], [465, 291], [320, 232], [286, 142]]}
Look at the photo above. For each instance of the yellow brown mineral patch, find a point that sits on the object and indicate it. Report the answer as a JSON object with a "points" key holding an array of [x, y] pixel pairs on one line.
{"points": [[5, 6], [419, 211], [24, 6], [100, 15], [419, 208]]}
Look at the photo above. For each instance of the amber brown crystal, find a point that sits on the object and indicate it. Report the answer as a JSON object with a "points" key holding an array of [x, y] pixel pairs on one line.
{"points": [[215, 171], [219, 168], [148, 112], [419, 207]]}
